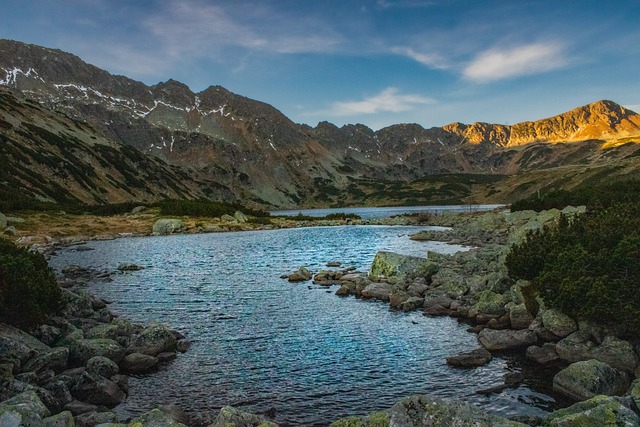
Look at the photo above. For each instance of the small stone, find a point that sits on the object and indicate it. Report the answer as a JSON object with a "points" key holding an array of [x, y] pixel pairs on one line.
{"points": [[478, 357]]}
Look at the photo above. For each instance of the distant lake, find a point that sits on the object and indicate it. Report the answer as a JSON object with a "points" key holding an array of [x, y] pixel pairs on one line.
{"points": [[260, 342], [385, 212]]}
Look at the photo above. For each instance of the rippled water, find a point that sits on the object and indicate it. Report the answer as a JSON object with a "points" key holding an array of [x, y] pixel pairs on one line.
{"points": [[260, 342]]}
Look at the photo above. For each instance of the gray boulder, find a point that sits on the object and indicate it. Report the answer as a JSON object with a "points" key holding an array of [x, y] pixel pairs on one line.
{"points": [[506, 339], [153, 340], [478, 357], [613, 351], [232, 417], [424, 410], [379, 291], [599, 411], [92, 388], [63, 419], [389, 264], [55, 359], [228, 219], [301, 275], [634, 392], [543, 355], [82, 350], [137, 363], [586, 379], [102, 366], [156, 418], [17, 346], [166, 226], [558, 323], [26, 407], [240, 217]]}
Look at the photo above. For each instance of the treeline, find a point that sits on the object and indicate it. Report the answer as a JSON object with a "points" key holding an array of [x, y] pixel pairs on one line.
{"points": [[594, 196], [587, 266]]}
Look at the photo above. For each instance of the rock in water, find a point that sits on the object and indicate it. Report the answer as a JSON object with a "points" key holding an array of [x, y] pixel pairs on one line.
{"points": [[478, 357], [586, 379], [496, 340]]}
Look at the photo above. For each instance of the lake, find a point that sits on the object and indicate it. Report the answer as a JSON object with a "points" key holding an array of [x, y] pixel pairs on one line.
{"points": [[385, 212], [260, 342]]}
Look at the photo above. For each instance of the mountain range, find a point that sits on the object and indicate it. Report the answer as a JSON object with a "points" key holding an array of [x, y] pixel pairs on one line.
{"points": [[70, 131]]}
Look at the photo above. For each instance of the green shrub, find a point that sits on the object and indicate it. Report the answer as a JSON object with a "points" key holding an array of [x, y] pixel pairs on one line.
{"points": [[588, 267], [28, 288]]}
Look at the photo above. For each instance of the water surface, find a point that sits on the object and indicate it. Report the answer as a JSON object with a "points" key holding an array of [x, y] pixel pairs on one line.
{"points": [[260, 342]]}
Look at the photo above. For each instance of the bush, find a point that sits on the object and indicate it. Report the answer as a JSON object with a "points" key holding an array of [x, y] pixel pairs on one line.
{"points": [[587, 267], [28, 288]]}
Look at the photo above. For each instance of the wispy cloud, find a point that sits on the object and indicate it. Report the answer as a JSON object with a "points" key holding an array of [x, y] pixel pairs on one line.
{"points": [[632, 107], [431, 60], [498, 64], [387, 101], [197, 26]]}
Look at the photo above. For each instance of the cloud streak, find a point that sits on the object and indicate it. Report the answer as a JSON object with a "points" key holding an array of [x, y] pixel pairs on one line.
{"points": [[496, 64], [387, 101], [430, 60]]}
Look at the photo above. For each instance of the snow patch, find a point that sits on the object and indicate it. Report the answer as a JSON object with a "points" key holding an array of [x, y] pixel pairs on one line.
{"points": [[12, 75]]}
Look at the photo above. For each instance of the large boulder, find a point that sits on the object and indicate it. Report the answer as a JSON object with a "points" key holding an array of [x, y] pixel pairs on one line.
{"points": [[17, 347], [25, 408], [95, 389], [424, 410], [232, 417], [137, 363], [599, 411], [165, 226], [506, 339], [379, 291], [240, 217], [80, 351], [478, 357], [613, 351], [491, 303], [55, 359], [519, 316], [153, 340], [156, 418], [301, 275], [588, 378], [558, 323], [102, 366], [543, 355], [389, 264], [63, 419]]}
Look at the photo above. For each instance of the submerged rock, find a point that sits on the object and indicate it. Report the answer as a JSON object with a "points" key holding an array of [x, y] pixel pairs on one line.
{"points": [[478, 357]]}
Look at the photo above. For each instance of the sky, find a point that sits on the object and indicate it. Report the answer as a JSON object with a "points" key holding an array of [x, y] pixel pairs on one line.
{"points": [[374, 62]]}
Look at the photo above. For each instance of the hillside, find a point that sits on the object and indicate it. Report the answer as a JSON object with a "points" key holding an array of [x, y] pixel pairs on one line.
{"points": [[220, 145]]}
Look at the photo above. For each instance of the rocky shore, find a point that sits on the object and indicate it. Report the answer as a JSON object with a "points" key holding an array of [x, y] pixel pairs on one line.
{"points": [[598, 366]]}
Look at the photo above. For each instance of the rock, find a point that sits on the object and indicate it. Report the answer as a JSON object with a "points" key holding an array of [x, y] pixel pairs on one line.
{"points": [[506, 339], [543, 355], [240, 217], [613, 351], [228, 219], [63, 419], [378, 291], [3, 221], [156, 418], [520, 317], [82, 350], [137, 363], [175, 413], [558, 323], [165, 357], [47, 334], [17, 346], [121, 381], [374, 419], [343, 291], [599, 411], [130, 267], [92, 419], [389, 264], [59, 392], [183, 345], [491, 303], [6, 371], [102, 366], [92, 388], [54, 359], [424, 410], [153, 340], [27, 407], [334, 264], [138, 209], [634, 392], [166, 226], [586, 379], [77, 407], [478, 357], [232, 417], [10, 231], [301, 275], [412, 303]]}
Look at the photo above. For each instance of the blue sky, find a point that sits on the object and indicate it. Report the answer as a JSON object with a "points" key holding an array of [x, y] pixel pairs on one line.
{"points": [[376, 62]]}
